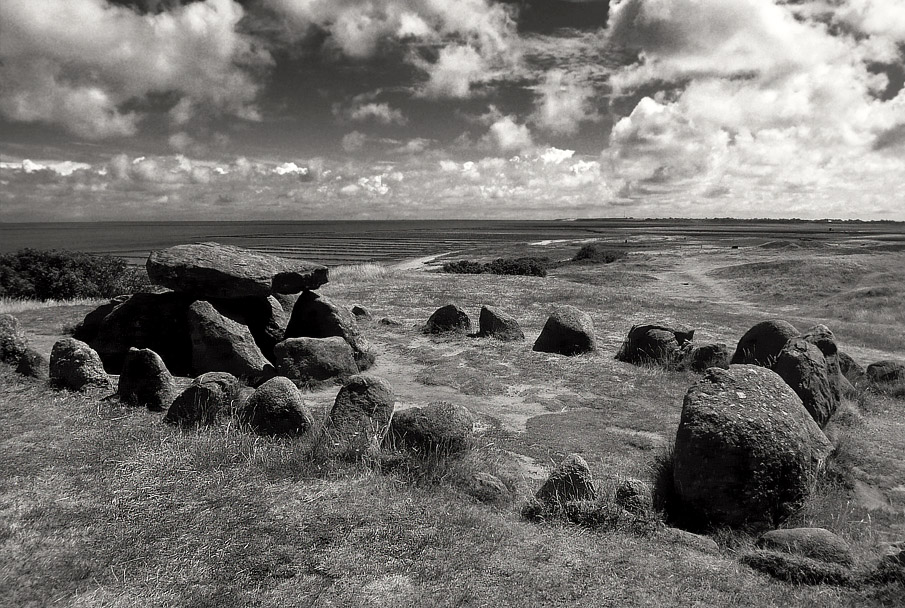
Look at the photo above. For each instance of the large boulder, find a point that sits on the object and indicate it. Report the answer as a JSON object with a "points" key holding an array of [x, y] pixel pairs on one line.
{"points": [[494, 323], [815, 543], [220, 344], [13, 341], [803, 367], [568, 331], [157, 321], [823, 338], [266, 318], [747, 452], [699, 357], [362, 411], [654, 344], [571, 480], [438, 427], [276, 408], [886, 372], [87, 328], [33, 365], [145, 380], [212, 270], [315, 359], [449, 318], [76, 366], [315, 316], [206, 398], [762, 343]]}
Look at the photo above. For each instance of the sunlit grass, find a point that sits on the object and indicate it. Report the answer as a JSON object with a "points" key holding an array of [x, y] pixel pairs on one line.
{"points": [[14, 305]]}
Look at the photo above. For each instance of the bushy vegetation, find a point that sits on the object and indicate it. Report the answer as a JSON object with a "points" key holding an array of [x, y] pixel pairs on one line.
{"points": [[597, 253], [64, 275], [527, 266]]}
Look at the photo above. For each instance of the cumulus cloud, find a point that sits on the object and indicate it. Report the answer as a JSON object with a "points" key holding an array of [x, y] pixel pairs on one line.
{"points": [[354, 141], [75, 63], [563, 103], [454, 72], [364, 111], [508, 136]]}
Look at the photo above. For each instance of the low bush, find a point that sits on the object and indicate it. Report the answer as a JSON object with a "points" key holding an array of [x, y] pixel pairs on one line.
{"points": [[527, 266], [599, 254], [64, 275]]}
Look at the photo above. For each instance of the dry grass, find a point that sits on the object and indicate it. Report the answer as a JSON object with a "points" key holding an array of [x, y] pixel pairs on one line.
{"points": [[15, 305], [356, 273]]}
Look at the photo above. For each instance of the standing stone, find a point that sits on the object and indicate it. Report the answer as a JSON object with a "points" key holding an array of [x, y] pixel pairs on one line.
{"points": [[449, 318], [265, 318], [635, 496], [212, 270], [76, 366], [220, 344], [823, 338], [762, 343], [747, 452], [33, 364], [146, 381], [87, 329], [654, 344], [315, 316], [494, 323], [440, 426], [207, 397], [363, 410], [802, 366], [13, 341], [570, 480], [851, 369], [315, 359], [568, 331], [276, 408]]}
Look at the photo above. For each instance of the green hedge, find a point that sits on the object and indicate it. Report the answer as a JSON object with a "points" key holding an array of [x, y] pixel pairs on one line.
{"points": [[529, 266]]}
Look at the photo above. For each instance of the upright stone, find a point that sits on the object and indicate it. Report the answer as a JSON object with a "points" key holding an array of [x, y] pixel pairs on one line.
{"points": [[276, 408], [823, 338], [761, 344], [207, 397], [803, 367], [33, 364], [315, 316], [654, 344], [446, 319], [315, 359], [363, 410], [145, 380], [212, 270], [570, 480], [13, 341], [747, 452], [568, 331], [700, 357], [494, 323], [220, 344], [76, 366]]}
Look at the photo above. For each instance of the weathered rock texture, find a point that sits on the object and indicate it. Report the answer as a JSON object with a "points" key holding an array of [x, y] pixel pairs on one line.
{"points": [[212, 270], [654, 344], [87, 329], [851, 369], [747, 452], [207, 397], [803, 367], [762, 343], [494, 323], [266, 318], [362, 410], [276, 408], [13, 341], [315, 359], [220, 344], [823, 338], [699, 357], [568, 331], [33, 364], [485, 487], [146, 381], [635, 496], [76, 366], [315, 316], [816, 543], [570, 480], [449, 318], [438, 427], [885, 372]]}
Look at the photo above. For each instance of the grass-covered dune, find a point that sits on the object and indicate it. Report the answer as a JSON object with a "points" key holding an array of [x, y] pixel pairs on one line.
{"points": [[103, 505]]}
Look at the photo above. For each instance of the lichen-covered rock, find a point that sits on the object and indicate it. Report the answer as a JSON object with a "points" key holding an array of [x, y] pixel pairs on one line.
{"points": [[315, 316], [212, 270], [803, 367], [571, 480], [145, 380], [33, 364], [276, 408], [220, 344], [762, 343], [13, 341], [494, 323], [76, 366], [208, 396], [568, 331], [362, 411], [635, 496], [654, 344], [747, 452], [438, 427], [816, 543], [700, 357], [449, 318], [315, 359], [823, 338]]}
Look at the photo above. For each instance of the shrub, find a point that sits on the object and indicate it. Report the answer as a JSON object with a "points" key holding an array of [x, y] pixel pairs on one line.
{"points": [[65, 275], [464, 267], [528, 266], [597, 253]]}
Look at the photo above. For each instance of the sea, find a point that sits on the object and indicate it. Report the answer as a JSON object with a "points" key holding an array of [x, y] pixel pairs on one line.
{"points": [[351, 242]]}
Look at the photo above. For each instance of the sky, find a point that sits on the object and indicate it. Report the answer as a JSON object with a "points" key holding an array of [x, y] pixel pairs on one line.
{"points": [[384, 109]]}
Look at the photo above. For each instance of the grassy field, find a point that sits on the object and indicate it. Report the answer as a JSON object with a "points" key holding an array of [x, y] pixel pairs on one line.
{"points": [[102, 505]]}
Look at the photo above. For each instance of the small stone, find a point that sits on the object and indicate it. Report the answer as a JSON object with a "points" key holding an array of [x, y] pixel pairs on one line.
{"points": [[145, 380], [570, 480], [449, 318], [568, 331], [207, 397], [75, 365], [33, 365], [276, 408]]}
